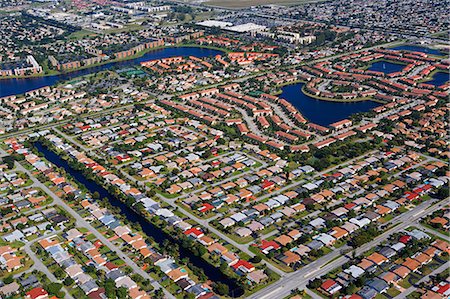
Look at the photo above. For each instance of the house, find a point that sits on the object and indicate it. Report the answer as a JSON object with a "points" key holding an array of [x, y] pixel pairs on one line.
{"points": [[354, 271], [422, 258], [377, 258], [257, 276], [389, 277], [243, 232], [267, 246], [411, 264], [378, 285], [289, 258], [177, 274], [37, 293], [283, 240], [401, 271], [367, 265], [326, 239], [330, 286], [242, 267], [338, 233], [367, 293], [10, 289]]}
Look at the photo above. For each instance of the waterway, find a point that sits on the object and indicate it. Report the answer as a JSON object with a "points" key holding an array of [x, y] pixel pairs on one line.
{"points": [[439, 78], [14, 86], [319, 111], [156, 233], [415, 48], [386, 67]]}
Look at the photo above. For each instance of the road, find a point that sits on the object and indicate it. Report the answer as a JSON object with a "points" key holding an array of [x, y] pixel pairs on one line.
{"points": [[81, 222], [38, 265], [434, 232], [334, 259], [411, 289]]}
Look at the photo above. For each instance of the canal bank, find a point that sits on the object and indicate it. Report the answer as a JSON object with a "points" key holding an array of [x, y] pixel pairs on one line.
{"points": [[151, 230], [15, 86]]}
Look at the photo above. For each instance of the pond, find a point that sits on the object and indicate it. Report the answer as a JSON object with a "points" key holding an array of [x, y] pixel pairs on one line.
{"points": [[319, 111]]}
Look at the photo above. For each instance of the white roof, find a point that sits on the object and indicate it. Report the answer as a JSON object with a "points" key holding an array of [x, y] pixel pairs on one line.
{"points": [[398, 246], [247, 27], [310, 186], [317, 222], [164, 212], [354, 271], [238, 217], [213, 23], [326, 239], [360, 222]]}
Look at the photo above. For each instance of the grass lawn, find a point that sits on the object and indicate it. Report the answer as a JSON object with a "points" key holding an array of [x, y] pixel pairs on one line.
{"points": [[319, 293], [393, 292], [414, 295], [340, 243], [404, 283]]}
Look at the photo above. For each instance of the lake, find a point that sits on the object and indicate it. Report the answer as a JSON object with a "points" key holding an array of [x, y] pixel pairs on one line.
{"points": [[415, 48], [439, 78], [13, 86], [319, 111], [386, 67], [148, 228]]}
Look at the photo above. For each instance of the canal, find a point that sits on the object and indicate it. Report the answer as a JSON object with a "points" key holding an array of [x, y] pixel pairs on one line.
{"points": [[319, 111], [213, 273], [13, 86]]}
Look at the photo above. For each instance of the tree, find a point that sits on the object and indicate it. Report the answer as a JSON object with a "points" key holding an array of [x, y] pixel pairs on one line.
{"points": [[110, 289], [68, 281], [256, 259], [189, 296], [9, 279], [122, 293], [54, 288], [221, 288], [96, 195], [315, 284], [9, 161], [223, 267]]}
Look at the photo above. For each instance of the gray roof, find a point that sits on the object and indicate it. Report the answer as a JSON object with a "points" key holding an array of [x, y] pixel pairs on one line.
{"points": [[378, 284], [89, 286], [315, 244], [29, 281], [114, 274], [367, 293], [387, 252]]}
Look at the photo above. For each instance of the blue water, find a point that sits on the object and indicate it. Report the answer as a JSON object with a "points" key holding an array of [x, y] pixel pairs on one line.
{"points": [[149, 229], [386, 67], [322, 112], [439, 78], [414, 48], [19, 86]]}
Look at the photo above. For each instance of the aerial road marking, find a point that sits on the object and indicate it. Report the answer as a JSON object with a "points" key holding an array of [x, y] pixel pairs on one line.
{"points": [[418, 213], [267, 295], [310, 273]]}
